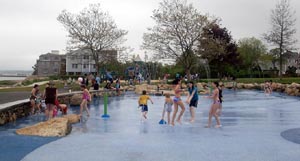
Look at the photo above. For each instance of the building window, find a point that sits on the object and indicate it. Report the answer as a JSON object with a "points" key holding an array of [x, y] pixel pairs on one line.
{"points": [[85, 66], [85, 57], [55, 70], [94, 66], [56, 58], [45, 71], [75, 66]]}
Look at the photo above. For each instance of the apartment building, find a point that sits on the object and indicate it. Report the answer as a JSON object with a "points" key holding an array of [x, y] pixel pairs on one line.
{"points": [[51, 63], [79, 62]]}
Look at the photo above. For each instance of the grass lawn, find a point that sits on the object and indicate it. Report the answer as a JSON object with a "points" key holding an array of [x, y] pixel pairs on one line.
{"points": [[28, 89], [4, 83]]}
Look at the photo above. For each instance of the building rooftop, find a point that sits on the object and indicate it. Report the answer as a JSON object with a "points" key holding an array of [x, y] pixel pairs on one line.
{"points": [[137, 58]]}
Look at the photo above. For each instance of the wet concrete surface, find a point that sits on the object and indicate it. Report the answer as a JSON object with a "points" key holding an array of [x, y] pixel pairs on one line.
{"points": [[292, 135], [252, 127]]}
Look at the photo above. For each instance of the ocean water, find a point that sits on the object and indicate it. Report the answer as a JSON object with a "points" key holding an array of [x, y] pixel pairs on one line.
{"points": [[12, 78]]}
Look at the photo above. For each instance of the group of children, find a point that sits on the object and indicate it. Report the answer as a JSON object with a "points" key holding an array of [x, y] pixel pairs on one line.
{"points": [[170, 104], [192, 100], [47, 101]]}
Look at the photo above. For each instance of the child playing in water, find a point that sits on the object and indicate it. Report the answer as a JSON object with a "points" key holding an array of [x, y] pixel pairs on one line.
{"points": [[62, 107], [267, 88], [215, 106], [143, 100], [85, 98], [177, 102], [38, 101], [167, 108], [192, 99], [222, 87]]}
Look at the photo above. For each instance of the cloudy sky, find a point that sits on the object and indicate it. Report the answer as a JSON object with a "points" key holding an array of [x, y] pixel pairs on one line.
{"points": [[29, 28]]}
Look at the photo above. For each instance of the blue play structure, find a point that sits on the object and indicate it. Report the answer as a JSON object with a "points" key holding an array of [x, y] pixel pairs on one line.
{"points": [[139, 71], [106, 75]]}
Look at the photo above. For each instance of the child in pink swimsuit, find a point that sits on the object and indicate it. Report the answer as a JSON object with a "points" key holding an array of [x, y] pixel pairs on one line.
{"points": [[85, 98]]}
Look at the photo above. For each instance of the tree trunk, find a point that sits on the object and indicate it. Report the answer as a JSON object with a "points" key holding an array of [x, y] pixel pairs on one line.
{"points": [[280, 63], [274, 64], [249, 72], [280, 54], [98, 67]]}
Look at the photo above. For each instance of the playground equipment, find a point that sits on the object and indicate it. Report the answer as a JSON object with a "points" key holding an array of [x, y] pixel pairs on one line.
{"points": [[162, 121], [137, 71], [105, 115], [106, 75]]}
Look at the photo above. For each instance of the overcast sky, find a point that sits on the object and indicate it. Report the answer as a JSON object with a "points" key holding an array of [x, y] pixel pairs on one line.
{"points": [[28, 28]]}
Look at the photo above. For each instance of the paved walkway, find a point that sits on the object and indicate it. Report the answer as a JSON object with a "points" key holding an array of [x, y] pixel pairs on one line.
{"points": [[252, 126], [6, 97]]}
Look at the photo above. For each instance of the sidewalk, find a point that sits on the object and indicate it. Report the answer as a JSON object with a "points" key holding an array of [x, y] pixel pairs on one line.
{"points": [[6, 97]]}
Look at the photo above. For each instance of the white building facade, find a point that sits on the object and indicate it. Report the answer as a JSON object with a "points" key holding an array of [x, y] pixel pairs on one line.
{"points": [[165, 62], [81, 61]]}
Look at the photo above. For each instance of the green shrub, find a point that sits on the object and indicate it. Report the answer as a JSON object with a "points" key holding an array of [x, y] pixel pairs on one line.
{"points": [[7, 83]]}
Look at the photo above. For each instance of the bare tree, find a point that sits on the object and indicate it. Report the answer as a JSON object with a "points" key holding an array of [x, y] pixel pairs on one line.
{"points": [[92, 29], [283, 29], [176, 33]]}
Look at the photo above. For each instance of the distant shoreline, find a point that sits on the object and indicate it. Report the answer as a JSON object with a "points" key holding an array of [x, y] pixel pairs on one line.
{"points": [[4, 75], [15, 73], [12, 78]]}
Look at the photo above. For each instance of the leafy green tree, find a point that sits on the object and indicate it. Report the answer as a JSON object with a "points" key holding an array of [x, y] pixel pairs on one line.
{"points": [[265, 59], [251, 51], [216, 45], [275, 54]]}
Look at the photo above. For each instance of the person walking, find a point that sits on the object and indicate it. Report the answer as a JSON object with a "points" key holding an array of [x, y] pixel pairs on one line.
{"points": [[216, 105], [177, 102], [86, 97], [192, 99]]}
